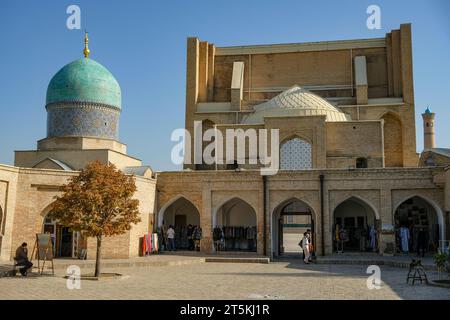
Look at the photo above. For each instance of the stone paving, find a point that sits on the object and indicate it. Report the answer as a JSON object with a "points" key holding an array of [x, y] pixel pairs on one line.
{"points": [[277, 280]]}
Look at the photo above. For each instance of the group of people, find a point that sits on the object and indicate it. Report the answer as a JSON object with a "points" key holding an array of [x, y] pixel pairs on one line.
{"points": [[194, 235], [307, 246], [356, 238]]}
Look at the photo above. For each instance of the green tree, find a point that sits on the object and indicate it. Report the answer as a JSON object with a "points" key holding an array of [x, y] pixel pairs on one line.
{"points": [[99, 202]]}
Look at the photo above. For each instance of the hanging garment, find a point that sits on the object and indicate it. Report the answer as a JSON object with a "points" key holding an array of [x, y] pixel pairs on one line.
{"points": [[144, 245], [404, 237], [149, 243], [373, 237], [155, 246]]}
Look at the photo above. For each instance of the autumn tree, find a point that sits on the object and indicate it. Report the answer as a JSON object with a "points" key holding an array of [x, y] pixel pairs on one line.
{"points": [[99, 202]]}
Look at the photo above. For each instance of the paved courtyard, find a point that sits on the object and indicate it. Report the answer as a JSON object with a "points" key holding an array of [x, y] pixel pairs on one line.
{"points": [[277, 280]]}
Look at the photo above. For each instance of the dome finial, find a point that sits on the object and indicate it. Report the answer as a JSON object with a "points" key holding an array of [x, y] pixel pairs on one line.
{"points": [[86, 50]]}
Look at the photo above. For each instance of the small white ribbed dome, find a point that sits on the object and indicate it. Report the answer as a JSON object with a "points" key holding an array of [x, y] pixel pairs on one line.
{"points": [[294, 102]]}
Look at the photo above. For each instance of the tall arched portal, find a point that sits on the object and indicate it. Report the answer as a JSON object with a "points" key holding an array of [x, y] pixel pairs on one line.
{"points": [[290, 220], [235, 226], [417, 221], [354, 227]]}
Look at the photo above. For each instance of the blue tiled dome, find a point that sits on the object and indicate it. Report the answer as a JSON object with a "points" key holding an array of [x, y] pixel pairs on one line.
{"points": [[83, 100], [84, 80]]}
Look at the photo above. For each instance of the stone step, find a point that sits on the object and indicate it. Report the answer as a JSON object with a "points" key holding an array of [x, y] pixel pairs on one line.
{"points": [[237, 260]]}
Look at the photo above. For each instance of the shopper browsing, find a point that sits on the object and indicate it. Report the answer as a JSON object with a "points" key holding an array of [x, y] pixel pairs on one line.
{"points": [[171, 238]]}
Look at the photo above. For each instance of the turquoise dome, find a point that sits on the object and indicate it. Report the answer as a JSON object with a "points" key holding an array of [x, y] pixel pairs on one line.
{"points": [[84, 80]]}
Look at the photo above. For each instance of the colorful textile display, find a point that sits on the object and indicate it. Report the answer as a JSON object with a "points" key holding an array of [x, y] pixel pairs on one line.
{"points": [[149, 244], [235, 238]]}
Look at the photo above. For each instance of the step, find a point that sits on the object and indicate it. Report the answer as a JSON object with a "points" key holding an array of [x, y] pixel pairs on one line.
{"points": [[237, 260]]}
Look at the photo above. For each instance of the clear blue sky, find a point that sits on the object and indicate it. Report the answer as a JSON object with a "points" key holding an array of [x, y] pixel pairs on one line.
{"points": [[143, 43]]}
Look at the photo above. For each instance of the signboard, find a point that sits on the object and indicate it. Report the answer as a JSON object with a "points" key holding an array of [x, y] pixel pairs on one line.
{"points": [[44, 246], [44, 250]]}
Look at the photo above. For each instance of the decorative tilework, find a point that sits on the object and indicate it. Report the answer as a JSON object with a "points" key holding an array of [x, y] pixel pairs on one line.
{"points": [[82, 120], [295, 154]]}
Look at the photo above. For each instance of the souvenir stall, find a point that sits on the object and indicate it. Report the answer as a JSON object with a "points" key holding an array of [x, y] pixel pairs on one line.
{"points": [[149, 244], [416, 227], [235, 227], [229, 238]]}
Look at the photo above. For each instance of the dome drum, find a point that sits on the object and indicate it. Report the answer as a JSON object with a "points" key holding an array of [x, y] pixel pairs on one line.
{"points": [[82, 120]]}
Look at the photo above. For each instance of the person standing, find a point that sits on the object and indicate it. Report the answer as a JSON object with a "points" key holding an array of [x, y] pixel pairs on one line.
{"points": [[305, 246], [190, 231], [171, 238], [22, 259], [343, 237], [421, 242], [196, 237], [404, 236]]}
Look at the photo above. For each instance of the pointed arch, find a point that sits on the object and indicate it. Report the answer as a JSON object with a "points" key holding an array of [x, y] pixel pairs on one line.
{"points": [[357, 217], [302, 220], [362, 201], [295, 154], [236, 219], [433, 204], [232, 201], [172, 201]]}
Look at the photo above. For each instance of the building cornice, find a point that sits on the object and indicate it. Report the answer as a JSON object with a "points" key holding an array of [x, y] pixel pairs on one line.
{"points": [[302, 47]]}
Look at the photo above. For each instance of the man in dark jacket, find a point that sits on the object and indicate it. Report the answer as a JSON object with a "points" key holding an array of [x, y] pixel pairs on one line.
{"points": [[190, 229], [22, 259], [422, 242]]}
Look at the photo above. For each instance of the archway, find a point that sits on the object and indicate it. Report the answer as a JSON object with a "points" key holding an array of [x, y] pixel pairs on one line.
{"points": [[417, 221], [290, 220], [354, 226], [295, 154], [234, 225], [66, 242], [180, 213]]}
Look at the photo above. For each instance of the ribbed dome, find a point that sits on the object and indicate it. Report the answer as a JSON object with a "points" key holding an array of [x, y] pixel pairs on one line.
{"points": [[84, 80], [296, 101]]}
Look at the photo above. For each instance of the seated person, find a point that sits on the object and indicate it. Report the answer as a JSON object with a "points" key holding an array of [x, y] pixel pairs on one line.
{"points": [[22, 259]]}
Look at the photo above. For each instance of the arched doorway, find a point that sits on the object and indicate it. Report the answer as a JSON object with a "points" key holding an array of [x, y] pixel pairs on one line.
{"points": [[295, 154], [180, 213], [290, 220], [417, 221], [234, 227], [66, 242], [354, 227]]}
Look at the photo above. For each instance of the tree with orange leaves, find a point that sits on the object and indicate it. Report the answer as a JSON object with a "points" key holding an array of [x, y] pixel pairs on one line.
{"points": [[99, 202]]}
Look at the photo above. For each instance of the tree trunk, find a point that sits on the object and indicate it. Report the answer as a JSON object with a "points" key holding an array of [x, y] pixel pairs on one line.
{"points": [[97, 259]]}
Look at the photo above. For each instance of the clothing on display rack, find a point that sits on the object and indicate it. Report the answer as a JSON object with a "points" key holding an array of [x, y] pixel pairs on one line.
{"points": [[229, 238], [149, 243], [184, 237], [162, 240]]}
